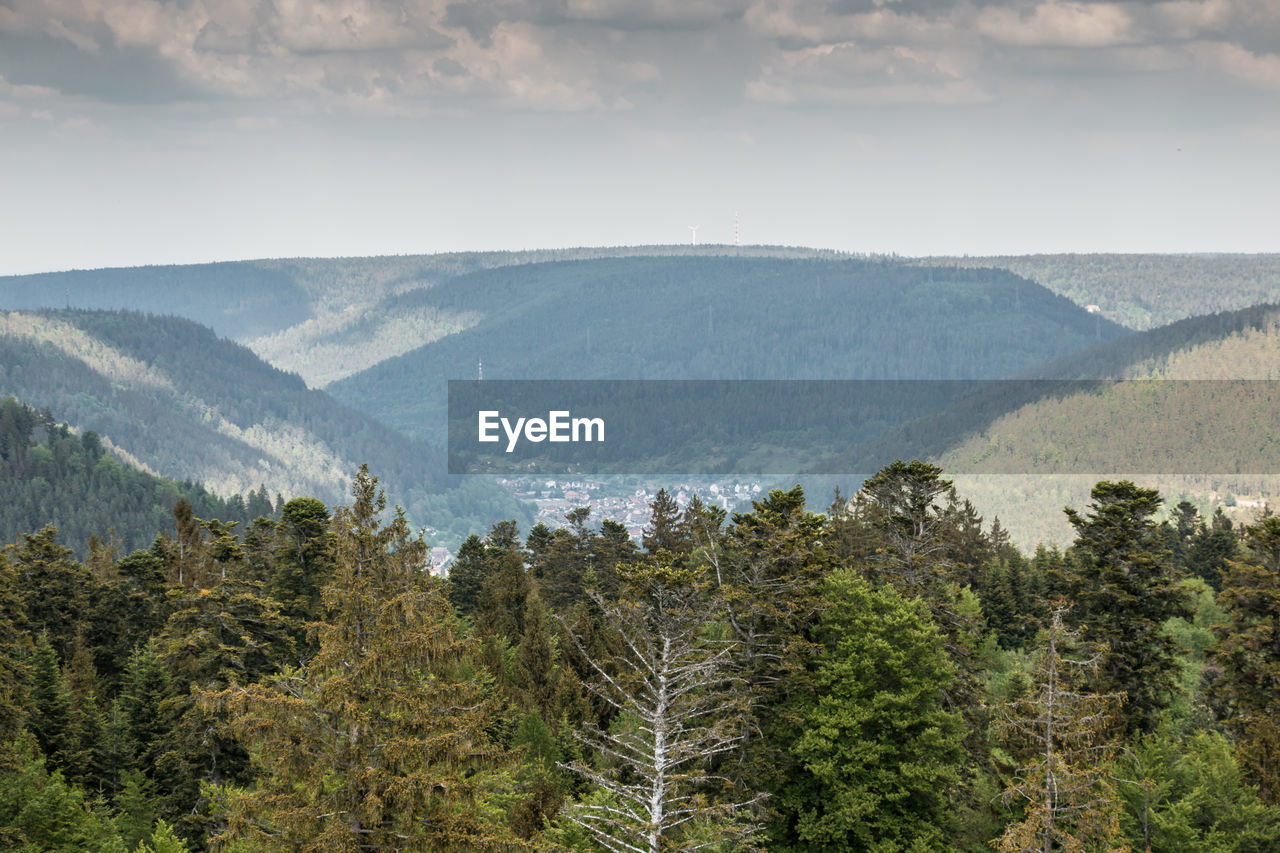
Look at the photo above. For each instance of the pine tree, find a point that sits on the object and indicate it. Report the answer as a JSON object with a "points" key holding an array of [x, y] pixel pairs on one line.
{"points": [[534, 669], [41, 811], [1213, 546], [663, 533], [135, 808], [768, 570], [53, 588], [467, 574], [1061, 735], [163, 840], [230, 634], [50, 699], [1248, 692], [13, 651], [304, 559], [144, 689], [377, 742], [1125, 590], [502, 599], [81, 755]]}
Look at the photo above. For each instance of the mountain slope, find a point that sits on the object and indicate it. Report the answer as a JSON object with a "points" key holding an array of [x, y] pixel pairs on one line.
{"points": [[49, 475], [182, 402], [721, 317], [317, 317], [1224, 436], [1146, 291]]}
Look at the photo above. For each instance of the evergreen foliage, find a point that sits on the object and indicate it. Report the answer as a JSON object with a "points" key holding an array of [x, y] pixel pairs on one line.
{"points": [[1125, 592], [377, 740], [876, 754], [831, 682], [51, 476]]}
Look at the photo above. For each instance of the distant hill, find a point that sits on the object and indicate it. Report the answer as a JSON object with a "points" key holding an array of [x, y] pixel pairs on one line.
{"points": [[50, 475], [1145, 291], [175, 399], [720, 318], [1063, 432], [321, 318]]}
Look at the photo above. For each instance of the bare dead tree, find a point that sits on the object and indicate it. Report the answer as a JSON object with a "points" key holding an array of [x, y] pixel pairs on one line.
{"points": [[678, 704]]}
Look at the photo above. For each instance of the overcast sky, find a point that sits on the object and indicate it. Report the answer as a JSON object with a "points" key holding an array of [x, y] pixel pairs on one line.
{"points": [[136, 131]]}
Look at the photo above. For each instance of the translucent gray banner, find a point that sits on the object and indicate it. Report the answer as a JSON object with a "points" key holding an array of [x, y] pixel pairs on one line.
{"points": [[784, 427]]}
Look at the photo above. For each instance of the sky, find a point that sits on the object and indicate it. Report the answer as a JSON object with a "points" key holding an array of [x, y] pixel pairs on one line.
{"points": [[175, 131]]}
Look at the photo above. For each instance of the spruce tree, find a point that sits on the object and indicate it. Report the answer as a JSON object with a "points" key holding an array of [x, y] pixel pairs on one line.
{"points": [[1125, 590], [377, 742], [1248, 693]]}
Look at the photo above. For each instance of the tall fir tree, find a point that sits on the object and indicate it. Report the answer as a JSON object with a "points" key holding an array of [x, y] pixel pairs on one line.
{"points": [[1125, 589], [1248, 692], [378, 741]]}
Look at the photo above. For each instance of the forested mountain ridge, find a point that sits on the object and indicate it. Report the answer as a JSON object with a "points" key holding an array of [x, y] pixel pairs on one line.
{"points": [[725, 318], [317, 317], [1241, 344], [50, 475], [328, 318], [185, 403], [1145, 291], [1062, 435]]}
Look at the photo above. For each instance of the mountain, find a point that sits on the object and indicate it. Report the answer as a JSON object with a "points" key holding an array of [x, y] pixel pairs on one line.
{"points": [[1145, 291], [171, 397], [321, 318], [1219, 440], [50, 475], [720, 317]]}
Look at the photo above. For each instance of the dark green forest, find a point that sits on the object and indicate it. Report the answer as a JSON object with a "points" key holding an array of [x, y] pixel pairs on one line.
{"points": [[50, 475], [887, 674]]}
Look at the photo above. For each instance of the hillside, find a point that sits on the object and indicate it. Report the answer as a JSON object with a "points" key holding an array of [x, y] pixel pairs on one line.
{"points": [[50, 475], [1145, 291], [175, 399], [720, 317], [321, 318], [1075, 437]]}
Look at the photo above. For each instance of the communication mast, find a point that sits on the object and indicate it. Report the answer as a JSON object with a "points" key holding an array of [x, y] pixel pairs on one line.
{"points": [[737, 234]]}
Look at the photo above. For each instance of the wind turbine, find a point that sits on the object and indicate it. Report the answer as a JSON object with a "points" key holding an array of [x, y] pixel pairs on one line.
{"points": [[693, 240]]}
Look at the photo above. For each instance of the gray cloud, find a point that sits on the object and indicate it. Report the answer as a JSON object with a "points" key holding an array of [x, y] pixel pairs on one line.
{"points": [[420, 55]]}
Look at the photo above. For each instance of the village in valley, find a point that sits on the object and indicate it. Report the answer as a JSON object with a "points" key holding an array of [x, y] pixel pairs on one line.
{"points": [[629, 506]]}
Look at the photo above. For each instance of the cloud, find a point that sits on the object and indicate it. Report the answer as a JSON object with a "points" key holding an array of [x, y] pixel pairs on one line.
{"points": [[1233, 60], [1057, 24], [416, 56], [852, 73]]}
